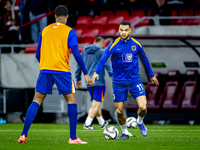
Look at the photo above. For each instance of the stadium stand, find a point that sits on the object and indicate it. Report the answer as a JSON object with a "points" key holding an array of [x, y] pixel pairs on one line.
{"points": [[113, 22], [98, 22], [83, 22], [107, 13]]}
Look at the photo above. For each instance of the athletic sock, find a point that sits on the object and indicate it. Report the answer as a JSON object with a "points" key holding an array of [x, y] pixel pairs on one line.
{"points": [[101, 120], [72, 114], [140, 119], [124, 129], [88, 121], [30, 115]]}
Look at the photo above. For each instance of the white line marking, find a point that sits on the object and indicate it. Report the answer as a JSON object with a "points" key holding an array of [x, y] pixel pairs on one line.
{"points": [[91, 130]]}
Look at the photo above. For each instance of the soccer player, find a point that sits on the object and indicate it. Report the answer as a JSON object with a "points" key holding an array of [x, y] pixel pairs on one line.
{"points": [[53, 56], [91, 56], [125, 51]]}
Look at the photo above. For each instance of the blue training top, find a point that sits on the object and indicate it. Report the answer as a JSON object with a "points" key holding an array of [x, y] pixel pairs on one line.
{"points": [[125, 60]]}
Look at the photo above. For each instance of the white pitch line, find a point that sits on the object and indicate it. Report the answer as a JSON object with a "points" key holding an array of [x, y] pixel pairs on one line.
{"points": [[91, 130]]}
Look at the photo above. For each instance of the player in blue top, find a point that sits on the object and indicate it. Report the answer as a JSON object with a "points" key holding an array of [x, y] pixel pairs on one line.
{"points": [[125, 51]]}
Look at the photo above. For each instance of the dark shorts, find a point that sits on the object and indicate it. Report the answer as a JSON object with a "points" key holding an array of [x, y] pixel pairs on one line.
{"points": [[63, 82], [120, 90], [97, 93]]}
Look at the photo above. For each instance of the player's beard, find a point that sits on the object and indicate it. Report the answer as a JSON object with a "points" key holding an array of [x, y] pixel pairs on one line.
{"points": [[124, 39]]}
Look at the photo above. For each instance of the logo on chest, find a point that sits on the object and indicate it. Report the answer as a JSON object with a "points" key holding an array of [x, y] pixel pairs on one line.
{"points": [[133, 48], [127, 57]]}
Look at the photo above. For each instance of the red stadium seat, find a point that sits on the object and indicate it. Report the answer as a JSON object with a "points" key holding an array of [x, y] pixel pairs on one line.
{"points": [[83, 22], [133, 19], [114, 21], [30, 50], [187, 95], [149, 12], [184, 21], [107, 13], [99, 22], [89, 36], [139, 13], [194, 21], [192, 74], [123, 13], [142, 23], [173, 13], [186, 13], [197, 13], [152, 93], [152, 96], [111, 31], [169, 96]]}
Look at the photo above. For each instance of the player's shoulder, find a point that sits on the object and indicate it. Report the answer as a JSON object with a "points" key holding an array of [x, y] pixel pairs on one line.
{"points": [[136, 41], [113, 43]]}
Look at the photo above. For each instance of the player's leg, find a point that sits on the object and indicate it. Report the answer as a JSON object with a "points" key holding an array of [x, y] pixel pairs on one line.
{"points": [[30, 115], [97, 94], [119, 97], [66, 87], [142, 110], [73, 114], [102, 122], [138, 93], [121, 119], [43, 85], [91, 114]]}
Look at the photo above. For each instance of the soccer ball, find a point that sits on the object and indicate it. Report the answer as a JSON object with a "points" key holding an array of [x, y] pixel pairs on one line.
{"points": [[110, 133], [131, 122]]}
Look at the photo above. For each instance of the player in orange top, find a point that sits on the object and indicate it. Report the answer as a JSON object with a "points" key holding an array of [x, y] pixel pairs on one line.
{"points": [[53, 56]]}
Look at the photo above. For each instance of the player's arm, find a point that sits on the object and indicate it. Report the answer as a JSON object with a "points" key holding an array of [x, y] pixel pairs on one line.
{"points": [[73, 44], [37, 55], [147, 66], [108, 67], [101, 63], [78, 76]]}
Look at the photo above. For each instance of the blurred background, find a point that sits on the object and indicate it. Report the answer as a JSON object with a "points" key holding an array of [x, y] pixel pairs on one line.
{"points": [[169, 31]]}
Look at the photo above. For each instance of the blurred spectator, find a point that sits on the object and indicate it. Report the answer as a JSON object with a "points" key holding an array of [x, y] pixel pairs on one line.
{"points": [[37, 9], [161, 9], [11, 24], [2, 12], [24, 18]]}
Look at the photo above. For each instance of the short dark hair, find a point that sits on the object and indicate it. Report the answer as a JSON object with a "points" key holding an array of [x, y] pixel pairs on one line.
{"points": [[98, 40], [125, 23], [61, 10]]}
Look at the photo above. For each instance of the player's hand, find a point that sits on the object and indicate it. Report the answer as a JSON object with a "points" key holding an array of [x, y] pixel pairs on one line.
{"points": [[79, 84], [88, 80], [94, 77], [154, 80]]}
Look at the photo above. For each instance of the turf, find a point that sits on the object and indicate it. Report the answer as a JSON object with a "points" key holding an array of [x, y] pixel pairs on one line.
{"points": [[54, 136]]}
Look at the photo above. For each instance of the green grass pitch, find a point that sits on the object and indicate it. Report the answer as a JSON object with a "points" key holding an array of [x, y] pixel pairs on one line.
{"points": [[54, 136]]}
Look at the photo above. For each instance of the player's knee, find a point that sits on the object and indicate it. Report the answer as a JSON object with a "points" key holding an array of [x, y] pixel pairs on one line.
{"points": [[144, 107], [120, 111]]}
